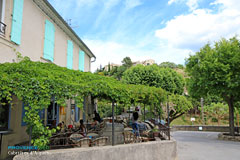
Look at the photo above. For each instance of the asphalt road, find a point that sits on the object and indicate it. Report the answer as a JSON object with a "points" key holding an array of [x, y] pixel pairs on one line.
{"points": [[205, 146]]}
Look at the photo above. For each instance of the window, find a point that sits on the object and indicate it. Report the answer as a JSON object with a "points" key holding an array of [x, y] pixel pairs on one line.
{"points": [[2, 9], [52, 115], [4, 115], [81, 60], [48, 52], [17, 14], [69, 54]]}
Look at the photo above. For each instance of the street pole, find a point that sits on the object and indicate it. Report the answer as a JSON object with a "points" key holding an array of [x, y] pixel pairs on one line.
{"points": [[112, 123], [202, 111], [144, 112], [168, 113], [168, 119]]}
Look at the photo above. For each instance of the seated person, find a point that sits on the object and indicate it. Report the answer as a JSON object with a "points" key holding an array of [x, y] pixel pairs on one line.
{"points": [[135, 126], [94, 123], [82, 128], [97, 117]]}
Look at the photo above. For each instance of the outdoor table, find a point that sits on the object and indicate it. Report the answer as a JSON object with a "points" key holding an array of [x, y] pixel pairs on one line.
{"points": [[92, 135]]}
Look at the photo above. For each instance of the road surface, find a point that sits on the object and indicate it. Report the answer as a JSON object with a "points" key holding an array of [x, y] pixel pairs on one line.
{"points": [[205, 146]]}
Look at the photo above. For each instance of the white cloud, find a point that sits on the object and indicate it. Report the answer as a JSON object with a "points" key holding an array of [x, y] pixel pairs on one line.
{"points": [[172, 1], [193, 30], [108, 5], [113, 52], [132, 3], [228, 4], [192, 4]]}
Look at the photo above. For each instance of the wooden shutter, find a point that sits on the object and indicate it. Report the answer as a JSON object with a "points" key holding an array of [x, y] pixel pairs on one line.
{"points": [[81, 60], [70, 55], [49, 37], [17, 21]]}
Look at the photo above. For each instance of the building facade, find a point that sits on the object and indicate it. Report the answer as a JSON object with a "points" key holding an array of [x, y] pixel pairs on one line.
{"points": [[34, 29]]}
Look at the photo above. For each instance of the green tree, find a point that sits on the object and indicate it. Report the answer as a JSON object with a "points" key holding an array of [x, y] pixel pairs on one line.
{"points": [[168, 65], [215, 71], [127, 62], [178, 106], [152, 75], [217, 110], [117, 72]]}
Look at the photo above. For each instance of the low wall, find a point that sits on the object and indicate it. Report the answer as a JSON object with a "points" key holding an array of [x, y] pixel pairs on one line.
{"points": [[204, 128], [156, 150], [224, 136]]}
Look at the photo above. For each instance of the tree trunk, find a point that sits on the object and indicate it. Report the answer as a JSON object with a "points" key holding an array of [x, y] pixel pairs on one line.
{"points": [[174, 117], [231, 115]]}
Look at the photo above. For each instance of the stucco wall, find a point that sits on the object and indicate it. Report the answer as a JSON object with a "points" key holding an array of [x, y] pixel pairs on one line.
{"points": [[157, 150], [18, 134], [32, 38]]}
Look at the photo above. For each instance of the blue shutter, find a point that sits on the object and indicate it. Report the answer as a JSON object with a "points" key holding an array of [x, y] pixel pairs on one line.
{"points": [[42, 114], [70, 55], [81, 60], [17, 21], [48, 51], [23, 114], [76, 113]]}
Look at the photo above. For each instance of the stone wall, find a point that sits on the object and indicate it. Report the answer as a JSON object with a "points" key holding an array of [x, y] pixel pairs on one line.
{"points": [[224, 136], [202, 128], [156, 150]]}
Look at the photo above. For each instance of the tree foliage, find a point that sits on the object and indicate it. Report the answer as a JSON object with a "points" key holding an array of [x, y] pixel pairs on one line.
{"points": [[178, 106], [36, 83], [217, 110], [170, 65], [215, 71], [127, 62], [152, 75]]}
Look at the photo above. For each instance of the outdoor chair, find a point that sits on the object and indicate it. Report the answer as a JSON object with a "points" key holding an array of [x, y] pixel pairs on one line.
{"points": [[101, 141], [84, 142], [129, 137], [75, 137]]}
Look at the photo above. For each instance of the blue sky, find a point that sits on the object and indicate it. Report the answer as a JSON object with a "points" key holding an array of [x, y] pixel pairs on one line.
{"points": [[163, 30]]}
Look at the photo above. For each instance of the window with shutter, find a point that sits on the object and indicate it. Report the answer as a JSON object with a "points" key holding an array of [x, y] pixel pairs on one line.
{"points": [[70, 55], [49, 37], [17, 21], [81, 60]]}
